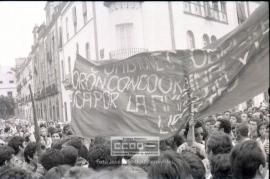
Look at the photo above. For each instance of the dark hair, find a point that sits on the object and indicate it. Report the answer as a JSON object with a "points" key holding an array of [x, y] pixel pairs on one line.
{"points": [[169, 165], [226, 125], [220, 166], [197, 125], [56, 132], [15, 173], [6, 153], [178, 140], [246, 157], [219, 143], [51, 158], [70, 155], [42, 125], [79, 172], [211, 120], [57, 172], [7, 128], [259, 126], [100, 157], [29, 151], [65, 130], [242, 130], [74, 142], [195, 163], [16, 142], [77, 143]]}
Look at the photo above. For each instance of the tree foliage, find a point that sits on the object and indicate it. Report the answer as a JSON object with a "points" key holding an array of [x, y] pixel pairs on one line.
{"points": [[7, 107]]}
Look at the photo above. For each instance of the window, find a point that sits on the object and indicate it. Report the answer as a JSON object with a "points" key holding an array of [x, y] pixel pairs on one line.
{"points": [[211, 10], [190, 40], [60, 37], [223, 14], [11, 81], [74, 13], [84, 8], [206, 40], [63, 69], [66, 117], [214, 10], [241, 14], [53, 44], [67, 32], [69, 65], [87, 51], [213, 38], [215, 5], [77, 48], [9, 93], [124, 35]]}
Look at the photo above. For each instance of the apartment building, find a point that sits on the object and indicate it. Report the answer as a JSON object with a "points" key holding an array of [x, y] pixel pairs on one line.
{"points": [[99, 30], [24, 78]]}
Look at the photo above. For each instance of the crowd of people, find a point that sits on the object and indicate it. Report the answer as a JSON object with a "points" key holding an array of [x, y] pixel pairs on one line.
{"points": [[222, 146]]}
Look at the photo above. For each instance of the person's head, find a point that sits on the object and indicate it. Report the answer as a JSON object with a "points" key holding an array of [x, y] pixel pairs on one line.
{"points": [[99, 157], [51, 158], [209, 123], [79, 173], [15, 173], [199, 130], [17, 143], [43, 130], [261, 129], [178, 140], [67, 130], [218, 143], [248, 160], [57, 172], [223, 125], [244, 117], [30, 152], [56, 136], [6, 153], [220, 166], [242, 131], [233, 120], [195, 163], [123, 172], [257, 116], [7, 129], [227, 115], [253, 125], [77, 143], [70, 155], [169, 165]]}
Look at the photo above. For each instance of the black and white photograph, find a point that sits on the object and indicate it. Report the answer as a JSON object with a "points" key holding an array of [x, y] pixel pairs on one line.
{"points": [[134, 89]]}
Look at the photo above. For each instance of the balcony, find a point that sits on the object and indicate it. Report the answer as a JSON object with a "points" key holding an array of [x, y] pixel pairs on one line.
{"points": [[118, 5], [125, 53]]}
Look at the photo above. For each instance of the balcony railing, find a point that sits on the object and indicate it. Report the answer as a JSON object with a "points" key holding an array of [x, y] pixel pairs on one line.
{"points": [[125, 53]]}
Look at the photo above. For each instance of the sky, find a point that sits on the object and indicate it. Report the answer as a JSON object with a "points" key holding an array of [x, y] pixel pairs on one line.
{"points": [[17, 20]]}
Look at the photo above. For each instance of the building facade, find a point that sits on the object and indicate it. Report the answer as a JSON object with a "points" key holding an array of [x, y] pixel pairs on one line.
{"points": [[24, 78], [46, 64], [116, 30], [7, 82]]}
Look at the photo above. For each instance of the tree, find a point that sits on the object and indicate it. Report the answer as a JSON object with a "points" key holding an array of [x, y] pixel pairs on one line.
{"points": [[7, 107]]}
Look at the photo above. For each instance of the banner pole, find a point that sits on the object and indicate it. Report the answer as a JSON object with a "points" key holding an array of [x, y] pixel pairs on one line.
{"points": [[37, 134]]}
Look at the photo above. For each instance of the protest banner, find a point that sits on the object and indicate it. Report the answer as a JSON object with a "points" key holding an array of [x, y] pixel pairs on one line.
{"points": [[150, 94]]}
